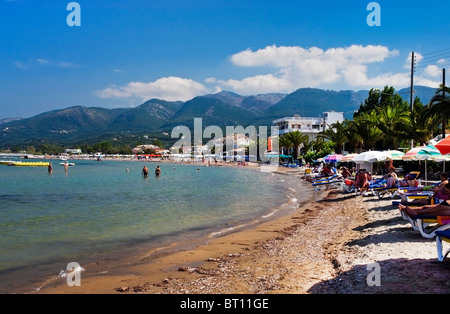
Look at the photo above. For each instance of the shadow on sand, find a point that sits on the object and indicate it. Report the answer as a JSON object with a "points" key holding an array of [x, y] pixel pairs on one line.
{"points": [[406, 276]]}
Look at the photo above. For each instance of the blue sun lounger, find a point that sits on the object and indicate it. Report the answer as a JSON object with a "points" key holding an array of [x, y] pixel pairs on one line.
{"points": [[422, 224], [327, 182], [442, 236]]}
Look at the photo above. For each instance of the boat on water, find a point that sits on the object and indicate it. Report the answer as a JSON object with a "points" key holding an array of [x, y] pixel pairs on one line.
{"points": [[71, 164], [29, 164]]}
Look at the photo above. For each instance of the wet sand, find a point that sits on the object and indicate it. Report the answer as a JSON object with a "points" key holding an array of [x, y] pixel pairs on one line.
{"points": [[323, 247]]}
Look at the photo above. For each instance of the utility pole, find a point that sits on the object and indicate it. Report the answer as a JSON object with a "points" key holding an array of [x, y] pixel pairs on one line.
{"points": [[443, 95], [411, 99]]}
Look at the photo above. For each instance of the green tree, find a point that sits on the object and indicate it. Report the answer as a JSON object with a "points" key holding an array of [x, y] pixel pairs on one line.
{"points": [[366, 127], [285, 144], [440, 105], [423, 126], [296, 138], [391, 120], [336, 134]]}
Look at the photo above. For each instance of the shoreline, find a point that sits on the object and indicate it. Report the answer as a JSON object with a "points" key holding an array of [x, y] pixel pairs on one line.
{"points": [[144, 253], [322, 247]]}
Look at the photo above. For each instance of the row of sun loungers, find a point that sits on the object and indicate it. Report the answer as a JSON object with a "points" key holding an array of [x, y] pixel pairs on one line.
{"points": [[428, 226]]}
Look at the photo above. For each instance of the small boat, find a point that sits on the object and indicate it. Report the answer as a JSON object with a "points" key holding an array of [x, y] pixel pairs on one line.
{"points": [[29, 164], [71, 164]]}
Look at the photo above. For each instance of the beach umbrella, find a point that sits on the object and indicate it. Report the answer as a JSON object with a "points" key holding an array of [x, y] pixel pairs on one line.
{"points": [[444, 146], [434, 153], [424, 153], [333, 158], [395, 154], [371, 157], [348, 157], [416, 153]]}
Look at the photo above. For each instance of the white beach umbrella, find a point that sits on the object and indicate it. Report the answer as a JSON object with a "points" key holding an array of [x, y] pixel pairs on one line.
{"points": [[371, 156]]}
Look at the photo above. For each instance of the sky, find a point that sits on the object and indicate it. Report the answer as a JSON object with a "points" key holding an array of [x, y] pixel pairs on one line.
{"points": [[126, 52]]}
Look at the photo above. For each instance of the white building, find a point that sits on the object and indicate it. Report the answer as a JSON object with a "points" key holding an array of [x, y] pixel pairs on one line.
{"points": [[73, 151], [309, 126]]}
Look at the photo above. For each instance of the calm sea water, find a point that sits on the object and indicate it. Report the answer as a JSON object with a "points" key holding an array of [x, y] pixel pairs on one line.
{"points": [[99, 210]]}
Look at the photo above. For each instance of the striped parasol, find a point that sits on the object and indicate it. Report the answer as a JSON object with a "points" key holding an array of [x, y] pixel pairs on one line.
{"points": [[395, 154]]}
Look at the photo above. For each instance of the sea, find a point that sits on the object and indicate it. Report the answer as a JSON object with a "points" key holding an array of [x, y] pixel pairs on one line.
{"points": [[100, 212]]}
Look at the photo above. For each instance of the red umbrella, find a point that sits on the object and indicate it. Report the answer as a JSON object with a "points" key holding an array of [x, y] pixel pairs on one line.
{"points": [[444, 146]]}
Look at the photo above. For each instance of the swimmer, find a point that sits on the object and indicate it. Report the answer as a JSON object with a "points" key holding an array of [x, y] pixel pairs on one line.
{"points": [[158, 171], [145, 172]]}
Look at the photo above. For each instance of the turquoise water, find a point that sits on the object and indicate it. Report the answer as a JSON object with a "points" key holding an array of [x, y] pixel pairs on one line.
{"points": [[98, 209]]}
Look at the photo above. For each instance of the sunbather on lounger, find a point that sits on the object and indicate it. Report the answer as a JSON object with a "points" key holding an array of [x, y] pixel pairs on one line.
{"points": [[442, 194], [442, 209], [391, 181], [433, 187], [362, 181]]}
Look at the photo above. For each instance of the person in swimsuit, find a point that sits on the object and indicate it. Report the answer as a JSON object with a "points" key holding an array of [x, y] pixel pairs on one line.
{"points": [[158, 171], [145, 172]]}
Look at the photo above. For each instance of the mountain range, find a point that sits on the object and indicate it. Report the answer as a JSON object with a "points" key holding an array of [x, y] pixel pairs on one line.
{"points": [[80, 124]]}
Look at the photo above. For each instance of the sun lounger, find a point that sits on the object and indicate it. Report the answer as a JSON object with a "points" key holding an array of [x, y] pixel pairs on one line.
{"points": [[333, 181], [440, 237], [383, 191], [422, 224]]}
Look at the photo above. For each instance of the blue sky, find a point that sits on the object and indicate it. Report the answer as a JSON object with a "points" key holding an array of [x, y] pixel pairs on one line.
{"points": [[126, 52]]}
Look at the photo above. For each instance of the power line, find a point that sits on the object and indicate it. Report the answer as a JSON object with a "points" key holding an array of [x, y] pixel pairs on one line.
{"points": [[430, 53]]}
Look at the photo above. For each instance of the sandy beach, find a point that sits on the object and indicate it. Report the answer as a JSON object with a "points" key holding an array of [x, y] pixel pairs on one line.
{"points": [[323, 247]]}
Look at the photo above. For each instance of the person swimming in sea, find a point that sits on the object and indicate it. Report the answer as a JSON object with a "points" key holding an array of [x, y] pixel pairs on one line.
{"points": [[157, 171]]}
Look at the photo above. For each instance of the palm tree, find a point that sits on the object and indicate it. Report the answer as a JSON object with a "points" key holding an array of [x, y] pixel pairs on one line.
{"points": [[296, 138], [336, 134], [353, 138], [423, 124], [390, 121], [440, 105], [366, 127], [285, 143]]}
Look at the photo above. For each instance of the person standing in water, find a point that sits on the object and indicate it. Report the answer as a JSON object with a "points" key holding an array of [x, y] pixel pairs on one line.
{"points": [[66, 167], [50, 168], [157, 171], [145, 172]]}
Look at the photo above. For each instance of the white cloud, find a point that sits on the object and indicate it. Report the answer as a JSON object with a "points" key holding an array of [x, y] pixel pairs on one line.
{"points": [[295, 67], [167, 88], [22, 65], [433, 71], [58, 64], [32, 63]]}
